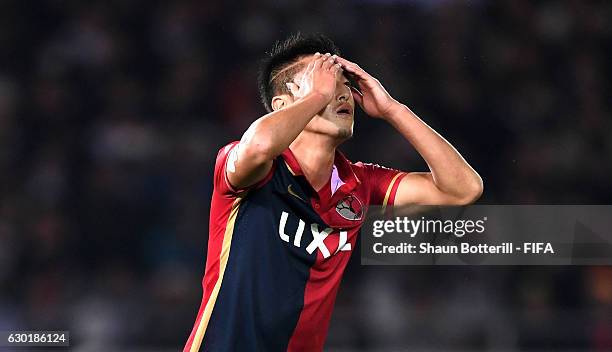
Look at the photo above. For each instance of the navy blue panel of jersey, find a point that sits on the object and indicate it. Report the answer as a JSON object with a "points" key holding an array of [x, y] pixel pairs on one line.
{"points": [[262, 292]]}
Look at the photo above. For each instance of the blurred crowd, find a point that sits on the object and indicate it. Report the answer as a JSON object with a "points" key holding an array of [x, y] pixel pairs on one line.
{"points": [[111, 114]]}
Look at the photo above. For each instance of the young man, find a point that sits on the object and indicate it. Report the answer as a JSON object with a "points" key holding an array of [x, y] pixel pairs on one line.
{"points": [[287, 206]]}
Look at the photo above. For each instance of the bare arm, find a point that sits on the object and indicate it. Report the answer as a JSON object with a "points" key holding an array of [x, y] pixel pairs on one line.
{"points": [[451, 180], [271, 134]]}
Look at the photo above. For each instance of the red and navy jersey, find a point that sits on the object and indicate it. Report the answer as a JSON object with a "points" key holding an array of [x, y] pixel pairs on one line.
{"points": [[277, 252]]}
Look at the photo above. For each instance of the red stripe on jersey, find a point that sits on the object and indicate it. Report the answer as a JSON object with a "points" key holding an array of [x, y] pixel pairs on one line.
{"points": [[325, 276], [320, 296]]}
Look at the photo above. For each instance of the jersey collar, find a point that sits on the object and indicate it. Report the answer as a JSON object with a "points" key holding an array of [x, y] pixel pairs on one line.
{"points": [[345, 171]]}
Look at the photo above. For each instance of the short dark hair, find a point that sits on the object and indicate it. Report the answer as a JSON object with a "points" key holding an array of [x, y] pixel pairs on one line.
{"points": [[283, 54]]}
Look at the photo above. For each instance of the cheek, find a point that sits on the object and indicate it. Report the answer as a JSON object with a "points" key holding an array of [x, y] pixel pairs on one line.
{"points": [[312, 125], [324, 112], [320, 120]]}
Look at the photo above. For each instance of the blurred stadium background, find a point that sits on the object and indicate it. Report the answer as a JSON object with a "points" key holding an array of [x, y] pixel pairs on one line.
{"points": [[111, 114]]}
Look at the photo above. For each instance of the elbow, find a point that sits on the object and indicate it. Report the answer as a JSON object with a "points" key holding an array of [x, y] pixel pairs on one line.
{"points": [[257, 145], [258, 151], [472, 191]]}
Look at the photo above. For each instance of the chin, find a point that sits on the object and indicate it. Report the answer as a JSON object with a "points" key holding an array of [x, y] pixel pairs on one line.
{"points": [[344, 133], [331, 126], [343, 129]]}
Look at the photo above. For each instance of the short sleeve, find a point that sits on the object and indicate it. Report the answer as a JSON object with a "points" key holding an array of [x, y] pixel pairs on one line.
{"points": [[383, 183], [221, 182]]}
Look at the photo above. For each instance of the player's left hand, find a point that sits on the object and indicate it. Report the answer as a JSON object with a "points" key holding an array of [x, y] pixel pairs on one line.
{"points": [[371, 96]]}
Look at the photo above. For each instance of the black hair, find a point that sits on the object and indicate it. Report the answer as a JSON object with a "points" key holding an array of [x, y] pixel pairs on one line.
{"points": [[284, 53]]}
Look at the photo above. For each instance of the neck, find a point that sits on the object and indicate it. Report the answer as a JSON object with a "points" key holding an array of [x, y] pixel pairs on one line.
{"points": [[315, 154]]}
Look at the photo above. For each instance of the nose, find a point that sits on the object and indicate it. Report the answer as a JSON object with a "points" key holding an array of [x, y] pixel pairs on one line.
{"points": [[344, 93]]}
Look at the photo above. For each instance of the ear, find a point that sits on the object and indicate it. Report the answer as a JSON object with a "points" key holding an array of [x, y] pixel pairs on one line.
{"points": [[279, 102]]}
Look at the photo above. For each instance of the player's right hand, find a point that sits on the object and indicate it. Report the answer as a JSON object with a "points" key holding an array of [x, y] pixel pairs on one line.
{"points": [[319, 77]]}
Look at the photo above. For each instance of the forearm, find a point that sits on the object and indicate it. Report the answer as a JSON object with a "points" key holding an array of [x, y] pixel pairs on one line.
{"points": [[450, 172], [270, 135]]}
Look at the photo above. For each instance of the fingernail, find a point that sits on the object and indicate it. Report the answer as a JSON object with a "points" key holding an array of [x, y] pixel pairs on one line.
{"points": [[317, 53]]}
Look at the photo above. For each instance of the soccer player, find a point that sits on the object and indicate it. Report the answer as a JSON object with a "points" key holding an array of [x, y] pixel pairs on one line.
{"points": [[287, 205]]}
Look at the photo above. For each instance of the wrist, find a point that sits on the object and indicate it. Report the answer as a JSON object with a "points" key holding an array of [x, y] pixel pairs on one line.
{"points": [[317, 98], [395, 111]]}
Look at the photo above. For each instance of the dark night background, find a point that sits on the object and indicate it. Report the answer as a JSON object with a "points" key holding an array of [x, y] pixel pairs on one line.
{"points": [[111, 114]]}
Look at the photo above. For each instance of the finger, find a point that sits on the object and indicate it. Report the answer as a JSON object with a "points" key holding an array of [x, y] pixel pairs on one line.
{"points": [[357, 96], [311, 64], [352, 68], [337, 68], [328, 61], [318, 62], [346, 63], [333, 64], [356, 72], [322, 60], [327, 65]]}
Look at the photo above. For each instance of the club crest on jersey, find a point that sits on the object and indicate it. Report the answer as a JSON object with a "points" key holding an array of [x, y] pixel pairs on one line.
{"points": [[350, 208]]}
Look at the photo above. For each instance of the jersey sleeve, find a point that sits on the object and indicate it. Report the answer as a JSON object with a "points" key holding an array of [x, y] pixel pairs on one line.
{"points": [[383, 183], [223, 161]]}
